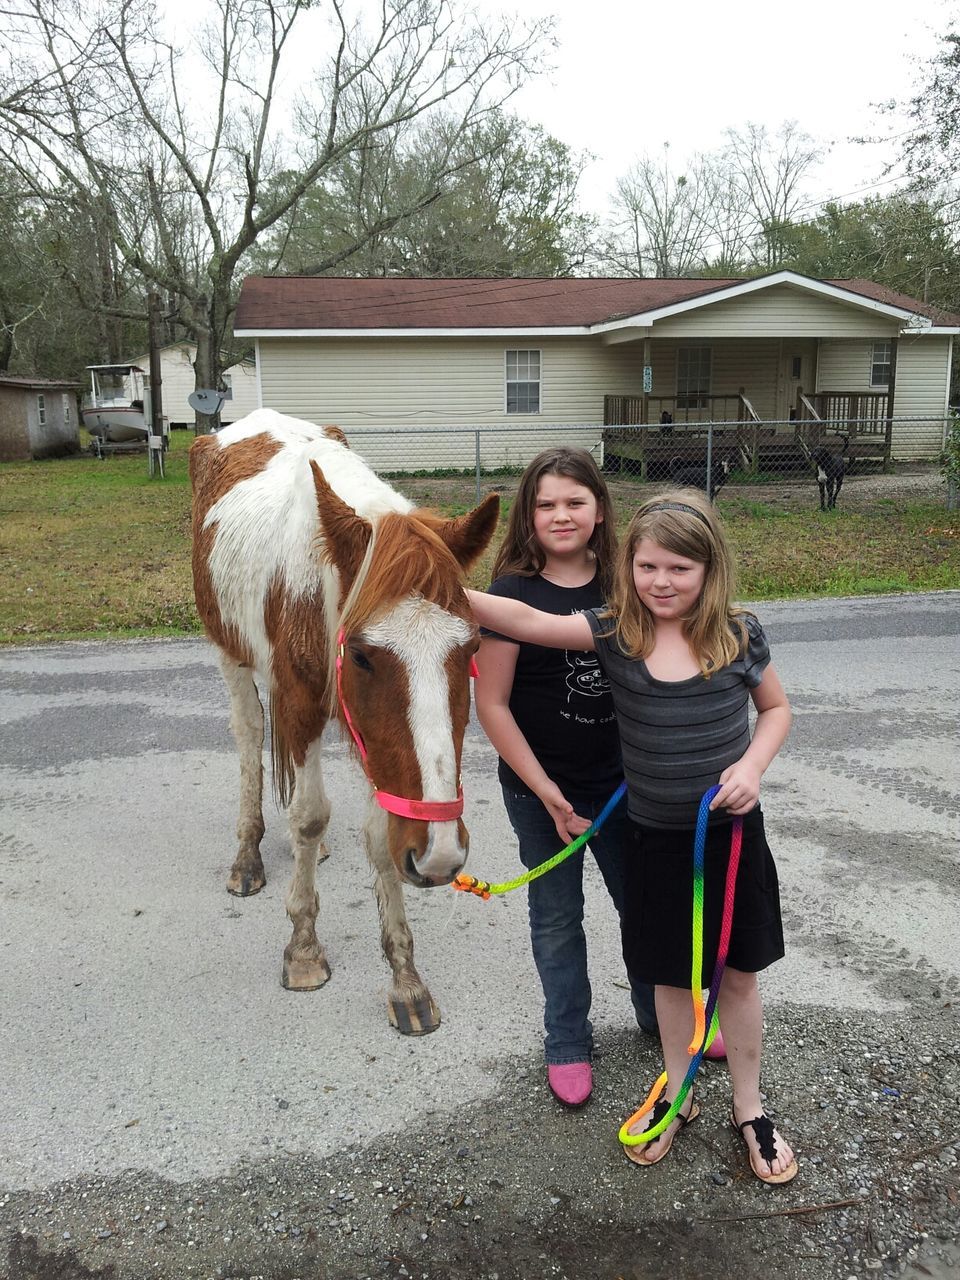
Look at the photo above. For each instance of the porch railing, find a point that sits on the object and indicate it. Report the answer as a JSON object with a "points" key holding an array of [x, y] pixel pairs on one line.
{"points": [[861, 416], [631, 411]]}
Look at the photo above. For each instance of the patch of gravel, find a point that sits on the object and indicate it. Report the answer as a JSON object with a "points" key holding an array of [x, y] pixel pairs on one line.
{"points": [[520, 1190]]}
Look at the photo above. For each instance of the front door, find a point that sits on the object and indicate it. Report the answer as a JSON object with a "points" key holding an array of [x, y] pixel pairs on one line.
{"points": [[797, 369]]}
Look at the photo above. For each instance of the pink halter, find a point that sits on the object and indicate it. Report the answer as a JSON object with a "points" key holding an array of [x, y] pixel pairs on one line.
{"points": [[421, 810]]}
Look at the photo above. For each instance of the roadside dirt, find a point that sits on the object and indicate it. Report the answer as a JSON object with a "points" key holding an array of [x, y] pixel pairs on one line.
{"points": [[911, 482]]}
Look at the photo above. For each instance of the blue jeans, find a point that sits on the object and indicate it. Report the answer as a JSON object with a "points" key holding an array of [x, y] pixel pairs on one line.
{"points": [[555, 903]]}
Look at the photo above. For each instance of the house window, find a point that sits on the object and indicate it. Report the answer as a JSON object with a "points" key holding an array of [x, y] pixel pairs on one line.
{"points": [[227, 386], [693, 377], [42, 410], [880, 366], [523, 381], [66, 410]]}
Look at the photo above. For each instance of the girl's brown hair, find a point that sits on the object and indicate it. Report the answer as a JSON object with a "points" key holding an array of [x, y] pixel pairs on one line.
{"points": [[685, 522], [520, 552]]}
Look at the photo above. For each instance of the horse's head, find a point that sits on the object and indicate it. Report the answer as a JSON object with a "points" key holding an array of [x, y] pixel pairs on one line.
{"points": [[408, 641]]}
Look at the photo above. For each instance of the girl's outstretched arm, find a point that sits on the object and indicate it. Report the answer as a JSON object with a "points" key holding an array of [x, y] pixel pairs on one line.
{"points": [[740, 782], [553, 631]]}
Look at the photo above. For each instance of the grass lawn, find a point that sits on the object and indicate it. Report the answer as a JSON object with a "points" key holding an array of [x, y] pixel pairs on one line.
{"points": [[97, 548]]}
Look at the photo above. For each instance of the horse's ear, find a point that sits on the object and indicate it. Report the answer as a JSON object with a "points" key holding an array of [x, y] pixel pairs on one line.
{"points": [[346, 533], [467, 536]]}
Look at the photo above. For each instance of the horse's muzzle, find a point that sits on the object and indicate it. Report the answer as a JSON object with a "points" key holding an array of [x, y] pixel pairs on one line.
{"points": [[414, 877]]}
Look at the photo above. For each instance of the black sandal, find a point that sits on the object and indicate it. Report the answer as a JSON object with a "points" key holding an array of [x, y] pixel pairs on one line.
{"points": [[762, 1127], [659, 1111]]}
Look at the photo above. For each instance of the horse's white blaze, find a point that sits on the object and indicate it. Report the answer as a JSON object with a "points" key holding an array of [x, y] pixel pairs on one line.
{"points": [[422, 635]]}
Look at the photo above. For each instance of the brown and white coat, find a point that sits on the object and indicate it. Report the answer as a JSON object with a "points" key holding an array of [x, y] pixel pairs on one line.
{"points": [[295, 539]]}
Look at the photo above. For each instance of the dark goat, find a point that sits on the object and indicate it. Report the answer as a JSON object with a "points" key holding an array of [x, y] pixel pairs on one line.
{"points": [[694, 474], [831, 468]]}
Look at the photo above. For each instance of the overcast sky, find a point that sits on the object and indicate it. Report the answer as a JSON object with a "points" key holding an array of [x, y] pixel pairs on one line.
{"points": [[631, 76]]}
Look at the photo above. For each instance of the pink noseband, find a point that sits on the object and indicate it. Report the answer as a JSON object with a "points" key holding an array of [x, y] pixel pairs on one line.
{"points": [[420, 810]]}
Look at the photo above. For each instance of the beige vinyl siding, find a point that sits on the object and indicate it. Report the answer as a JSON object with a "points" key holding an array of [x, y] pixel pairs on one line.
{"points": [[845, 365], [779, 311], [243, 378], [923, 380], [370, 383], [923, 377]]}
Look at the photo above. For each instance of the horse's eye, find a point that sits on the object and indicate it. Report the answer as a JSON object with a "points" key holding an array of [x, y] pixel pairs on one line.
{"points": [[360, 660]]}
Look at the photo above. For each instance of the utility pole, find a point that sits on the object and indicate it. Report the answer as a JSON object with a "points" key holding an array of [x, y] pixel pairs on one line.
{"points": [[927, 273], [155, 438]]}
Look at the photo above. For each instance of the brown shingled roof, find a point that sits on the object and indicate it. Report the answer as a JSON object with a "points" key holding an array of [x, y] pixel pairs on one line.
{"points": [[339, 302], [336, 302], [880, 293]]}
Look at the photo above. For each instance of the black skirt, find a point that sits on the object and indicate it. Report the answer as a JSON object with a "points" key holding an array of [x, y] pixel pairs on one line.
{"points": [[657, 921]]}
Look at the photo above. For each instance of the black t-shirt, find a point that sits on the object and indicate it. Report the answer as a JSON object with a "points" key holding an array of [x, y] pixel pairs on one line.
{"points": [[561, 699]]}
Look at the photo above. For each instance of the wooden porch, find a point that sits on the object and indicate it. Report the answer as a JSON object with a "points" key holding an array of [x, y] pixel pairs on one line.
{"points": [[643, 434], [862, 416]]}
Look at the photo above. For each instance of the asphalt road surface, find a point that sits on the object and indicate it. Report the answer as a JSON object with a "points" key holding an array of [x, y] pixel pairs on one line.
{"points": [[145, 1041]]}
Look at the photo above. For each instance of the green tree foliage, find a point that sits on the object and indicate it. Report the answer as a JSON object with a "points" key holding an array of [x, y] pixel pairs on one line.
{"points": [[55, 257], [507, 208], [932, 149], [902, 240]]}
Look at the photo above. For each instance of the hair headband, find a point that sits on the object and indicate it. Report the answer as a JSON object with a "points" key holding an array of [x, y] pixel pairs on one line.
{"points": [[680, 506]]}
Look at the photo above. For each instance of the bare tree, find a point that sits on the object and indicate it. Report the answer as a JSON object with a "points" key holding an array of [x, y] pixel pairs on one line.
{"points": [[661, 219], [769, 171], [175, 151]]}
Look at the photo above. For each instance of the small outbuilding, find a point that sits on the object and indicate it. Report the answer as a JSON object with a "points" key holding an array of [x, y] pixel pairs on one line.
{"points": [[38, 418]]}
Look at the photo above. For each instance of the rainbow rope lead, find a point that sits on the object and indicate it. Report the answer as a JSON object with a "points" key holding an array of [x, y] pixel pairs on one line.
{"points": [[483, 889], [705, 1021]]}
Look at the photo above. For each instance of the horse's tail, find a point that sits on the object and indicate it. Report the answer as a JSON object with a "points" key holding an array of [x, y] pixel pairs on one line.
{"points": [[281, 761]]}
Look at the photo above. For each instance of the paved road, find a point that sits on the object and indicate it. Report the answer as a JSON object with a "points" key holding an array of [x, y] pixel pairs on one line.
{"points": [[144, 1026]]}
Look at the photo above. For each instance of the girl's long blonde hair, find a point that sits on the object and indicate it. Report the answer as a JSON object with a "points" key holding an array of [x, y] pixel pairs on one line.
{"points": [[685, 522], [520, 552]]}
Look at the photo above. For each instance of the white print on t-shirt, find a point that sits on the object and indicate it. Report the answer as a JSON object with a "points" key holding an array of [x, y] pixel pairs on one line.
{"points": [[584, 675]]}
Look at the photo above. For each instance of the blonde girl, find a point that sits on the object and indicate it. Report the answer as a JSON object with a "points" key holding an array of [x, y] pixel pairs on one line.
{"points": [[550, 716], [683, 664]]}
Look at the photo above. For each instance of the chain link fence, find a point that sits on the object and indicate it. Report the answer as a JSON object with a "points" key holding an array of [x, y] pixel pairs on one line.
{"points": [[736, 453]]}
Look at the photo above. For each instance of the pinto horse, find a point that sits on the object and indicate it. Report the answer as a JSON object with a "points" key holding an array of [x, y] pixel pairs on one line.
{"points": [[312, 573]]}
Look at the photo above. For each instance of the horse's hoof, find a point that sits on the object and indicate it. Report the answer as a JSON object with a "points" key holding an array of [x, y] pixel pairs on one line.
{"points": [[305, 975], [244, 884], [413, 1017]]}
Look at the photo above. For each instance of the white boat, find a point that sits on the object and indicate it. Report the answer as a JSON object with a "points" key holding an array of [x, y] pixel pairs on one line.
{"points": [[113, 407]]}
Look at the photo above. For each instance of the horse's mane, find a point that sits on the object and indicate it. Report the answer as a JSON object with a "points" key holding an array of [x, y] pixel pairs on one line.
{"points": [[408, 558]]}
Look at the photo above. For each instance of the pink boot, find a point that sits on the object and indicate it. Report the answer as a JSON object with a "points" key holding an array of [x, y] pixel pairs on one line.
{"points": [[571, 1083], [717, 1050]]}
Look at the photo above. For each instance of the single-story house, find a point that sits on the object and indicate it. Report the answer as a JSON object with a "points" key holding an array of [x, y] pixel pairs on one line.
{"points": [[38, 418], [772, 353], [178, 380]]}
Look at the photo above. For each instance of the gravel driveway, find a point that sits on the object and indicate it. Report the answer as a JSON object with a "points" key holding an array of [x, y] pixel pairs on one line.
{"points": [[169, 1111]]}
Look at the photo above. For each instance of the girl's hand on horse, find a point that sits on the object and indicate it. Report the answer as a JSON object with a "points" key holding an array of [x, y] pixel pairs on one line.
{"points": [[739, 788], [569, 824]]}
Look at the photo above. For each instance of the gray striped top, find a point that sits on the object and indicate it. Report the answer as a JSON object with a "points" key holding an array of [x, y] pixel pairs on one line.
{"points": [[678, 736]]}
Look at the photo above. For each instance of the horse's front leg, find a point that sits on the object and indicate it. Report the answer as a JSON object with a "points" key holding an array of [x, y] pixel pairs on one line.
{"points": [[409, 1005], [304, 964], [246, 721]]}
